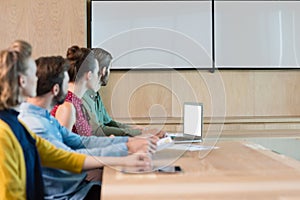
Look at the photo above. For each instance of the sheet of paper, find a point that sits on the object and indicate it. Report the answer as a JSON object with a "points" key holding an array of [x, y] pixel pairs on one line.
{"points": [[164, 143], [192, 147]]}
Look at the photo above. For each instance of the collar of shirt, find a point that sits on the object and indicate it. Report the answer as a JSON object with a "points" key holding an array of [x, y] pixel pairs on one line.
{"points": [[93, 95], [30, 108]]}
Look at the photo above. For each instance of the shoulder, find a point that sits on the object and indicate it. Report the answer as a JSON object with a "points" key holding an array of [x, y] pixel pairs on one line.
{"points": [[8, 140], [34, 123], [66, 108], [89, 94], [66, 115], [88, 101], [5, 130]]}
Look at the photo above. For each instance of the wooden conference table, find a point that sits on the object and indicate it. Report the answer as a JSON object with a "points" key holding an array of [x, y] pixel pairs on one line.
{"points": [[236, 170]]}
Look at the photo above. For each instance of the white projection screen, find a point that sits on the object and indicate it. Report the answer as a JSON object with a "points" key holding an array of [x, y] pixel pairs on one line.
{"points": [[257, 34], [153, 34]]}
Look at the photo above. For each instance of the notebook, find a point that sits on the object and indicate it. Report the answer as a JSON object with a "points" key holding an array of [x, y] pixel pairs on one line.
{"points": [[192, 124]]}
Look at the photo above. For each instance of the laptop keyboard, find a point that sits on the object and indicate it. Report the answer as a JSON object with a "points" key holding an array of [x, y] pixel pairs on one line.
{"points": [[183, 138]]}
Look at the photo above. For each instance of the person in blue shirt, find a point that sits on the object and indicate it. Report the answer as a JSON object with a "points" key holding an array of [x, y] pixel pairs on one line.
{"points": [[51, 90]]}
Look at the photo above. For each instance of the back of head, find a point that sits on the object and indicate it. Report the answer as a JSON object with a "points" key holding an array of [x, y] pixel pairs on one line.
{"points": [[81, 60], [50, 71], [22, 47], [103, 57], [12, 64]]}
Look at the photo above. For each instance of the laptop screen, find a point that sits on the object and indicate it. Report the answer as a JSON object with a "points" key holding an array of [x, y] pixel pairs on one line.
{"points": [[193, 118]]}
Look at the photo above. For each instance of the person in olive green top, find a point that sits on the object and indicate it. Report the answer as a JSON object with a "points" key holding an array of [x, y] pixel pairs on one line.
{"points": [[102, 124]]}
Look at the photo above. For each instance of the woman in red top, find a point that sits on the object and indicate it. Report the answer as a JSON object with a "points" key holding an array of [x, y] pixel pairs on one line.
{"points": [[84, 74]]}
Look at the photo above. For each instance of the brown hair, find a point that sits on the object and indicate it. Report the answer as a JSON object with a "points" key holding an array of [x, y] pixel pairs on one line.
{"points": [[50, 71], [12, 64], [81, 60], [103, 57]]}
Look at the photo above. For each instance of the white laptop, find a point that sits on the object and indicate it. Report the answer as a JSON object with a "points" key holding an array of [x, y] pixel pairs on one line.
{"points": [[192, 124]]}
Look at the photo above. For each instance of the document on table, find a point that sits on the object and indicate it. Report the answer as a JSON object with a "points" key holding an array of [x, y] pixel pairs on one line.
{"points": [[192, 147]]}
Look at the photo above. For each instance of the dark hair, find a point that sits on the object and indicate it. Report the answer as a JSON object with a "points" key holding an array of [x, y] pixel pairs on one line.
{"points": [[50, 71], [103, 57], [12, 64], [81, 60]]}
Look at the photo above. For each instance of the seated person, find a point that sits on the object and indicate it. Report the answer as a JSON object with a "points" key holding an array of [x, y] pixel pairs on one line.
{"points": [[102, 124], [51, 90], [84, 74], [22, 152]]}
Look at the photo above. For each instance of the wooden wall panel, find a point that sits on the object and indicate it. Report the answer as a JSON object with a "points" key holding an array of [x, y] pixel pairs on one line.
{"points": [[239, 89], [277, 93], [51, 26], [191, 86], [139, 94], [248, 93]]}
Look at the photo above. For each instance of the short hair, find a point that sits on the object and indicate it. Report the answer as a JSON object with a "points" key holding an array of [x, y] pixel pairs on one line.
{"points": [[12, 64], [103, 57], [50, 71], [81, 60]]}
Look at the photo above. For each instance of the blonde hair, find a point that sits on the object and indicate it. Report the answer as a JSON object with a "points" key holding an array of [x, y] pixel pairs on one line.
{"points": [[12, 64], [22, 47]]}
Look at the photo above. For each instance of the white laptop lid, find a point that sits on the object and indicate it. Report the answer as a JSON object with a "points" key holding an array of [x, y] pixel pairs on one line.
{"points": [[193, 119]]}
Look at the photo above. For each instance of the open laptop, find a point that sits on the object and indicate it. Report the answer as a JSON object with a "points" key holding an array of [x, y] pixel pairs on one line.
{"points": [[192, 124]]}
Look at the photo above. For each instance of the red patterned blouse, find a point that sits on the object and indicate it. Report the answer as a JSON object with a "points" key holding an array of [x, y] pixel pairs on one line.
{"points": [[81, 126]]}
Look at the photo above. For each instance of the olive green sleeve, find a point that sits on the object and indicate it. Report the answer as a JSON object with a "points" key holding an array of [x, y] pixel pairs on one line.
{"points": [[103, 130], [117, 124]]}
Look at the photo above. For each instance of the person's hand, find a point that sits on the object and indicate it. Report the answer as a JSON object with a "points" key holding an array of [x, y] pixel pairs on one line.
{"points": [[138, 160], [153, 139], [145, 145], [156, 132]]}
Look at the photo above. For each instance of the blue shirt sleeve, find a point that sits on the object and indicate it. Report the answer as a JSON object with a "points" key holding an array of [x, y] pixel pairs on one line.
{"points": [[96, 146], [48, 133], [113, 150], [64, 139], [94, 141], [69, 138]]}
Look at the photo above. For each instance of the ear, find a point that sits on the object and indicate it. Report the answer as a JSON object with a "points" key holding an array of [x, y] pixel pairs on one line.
{"points": [[55, 89], [89, 75], [103, 71], [22, 81]]}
